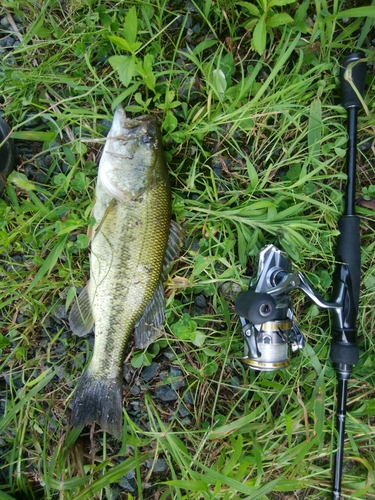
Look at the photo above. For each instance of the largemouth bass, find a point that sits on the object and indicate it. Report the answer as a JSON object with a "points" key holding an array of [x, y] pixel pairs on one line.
{"points": [[132, 243]]}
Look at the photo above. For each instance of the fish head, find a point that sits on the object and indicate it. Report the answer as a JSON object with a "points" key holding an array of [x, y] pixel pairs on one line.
{"points": [[131, 156]]}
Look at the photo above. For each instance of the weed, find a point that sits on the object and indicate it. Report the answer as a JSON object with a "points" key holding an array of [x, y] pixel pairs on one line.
{"points": [[247, 99]]}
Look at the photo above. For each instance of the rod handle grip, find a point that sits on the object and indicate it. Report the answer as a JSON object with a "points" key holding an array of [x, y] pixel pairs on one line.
{"points": [[344, 347], [348, 251], [357, 74]]}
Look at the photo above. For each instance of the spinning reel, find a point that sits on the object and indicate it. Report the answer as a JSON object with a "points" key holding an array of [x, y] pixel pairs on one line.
{"points": [[266, 311]]}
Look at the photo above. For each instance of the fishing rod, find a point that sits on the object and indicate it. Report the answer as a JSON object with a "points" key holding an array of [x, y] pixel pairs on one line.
{"points": [[344, 349], [266, 308]]}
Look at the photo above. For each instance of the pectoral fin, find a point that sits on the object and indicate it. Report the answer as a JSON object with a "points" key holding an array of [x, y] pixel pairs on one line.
{"points": [[110, 207], [81, 319]]}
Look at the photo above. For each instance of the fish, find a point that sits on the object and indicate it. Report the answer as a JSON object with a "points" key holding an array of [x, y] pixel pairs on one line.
{"points": [[133, 243]]}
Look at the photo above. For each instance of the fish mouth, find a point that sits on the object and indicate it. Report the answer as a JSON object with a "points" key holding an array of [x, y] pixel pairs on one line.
{"points": [[142, 127]]}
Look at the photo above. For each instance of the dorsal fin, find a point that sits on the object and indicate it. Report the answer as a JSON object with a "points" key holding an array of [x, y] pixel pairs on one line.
{"points": [[173, 248]]}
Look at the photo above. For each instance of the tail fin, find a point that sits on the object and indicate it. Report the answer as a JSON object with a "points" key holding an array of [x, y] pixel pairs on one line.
{"points": [[98, 401]]}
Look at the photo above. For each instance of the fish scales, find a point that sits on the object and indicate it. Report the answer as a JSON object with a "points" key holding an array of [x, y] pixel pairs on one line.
{"points": [[123, 287], [131, 240]]}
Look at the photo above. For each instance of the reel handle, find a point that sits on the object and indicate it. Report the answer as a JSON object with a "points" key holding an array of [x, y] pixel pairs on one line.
{"points": [[256, 307], [352, 70]]}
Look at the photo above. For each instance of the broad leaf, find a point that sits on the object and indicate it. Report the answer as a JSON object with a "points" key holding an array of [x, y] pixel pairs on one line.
{"points": [[131, 25], [145, 70], [260, 35], [125, 66], [279, 20], [253, 9], [279, 3], [120, 42], [169, 122], [125, 44]]}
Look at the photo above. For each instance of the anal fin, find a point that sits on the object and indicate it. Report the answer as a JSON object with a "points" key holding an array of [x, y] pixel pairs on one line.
{"points": [[81, 319]]}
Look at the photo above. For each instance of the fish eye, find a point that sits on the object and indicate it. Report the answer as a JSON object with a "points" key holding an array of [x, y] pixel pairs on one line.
{"points": [[145, 139]]}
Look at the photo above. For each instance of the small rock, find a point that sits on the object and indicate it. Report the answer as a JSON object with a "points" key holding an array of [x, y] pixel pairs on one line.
{"points": [[188, 398], [196, 28], [114, 493], [149, 372], [365, 146], [186, 421], [127, 485], [41, 178], [177, 384], [135, 390], [183, 411], [78, 362], [133, 408], [2, 408], [104, 127], [235, 384], [217, 165], [130, 474], [166, 394], [128, 373], [169, 354], [60, 313], [175, 372], [61, 373], [229, 290], [12, 379], [160, 465], [9, 41], [200, 301]]}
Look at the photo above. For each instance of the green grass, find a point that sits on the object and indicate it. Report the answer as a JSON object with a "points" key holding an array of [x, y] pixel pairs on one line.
{"points": [[274, 125]]}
